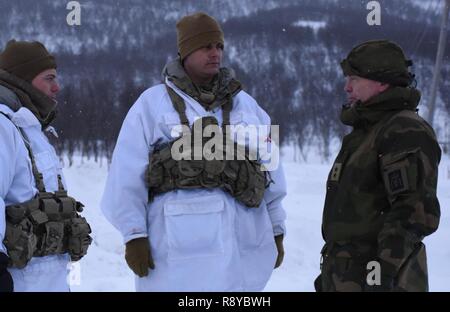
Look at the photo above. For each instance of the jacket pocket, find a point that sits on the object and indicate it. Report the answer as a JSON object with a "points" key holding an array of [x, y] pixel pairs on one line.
{"points": [[254, 227], [194, 227]]}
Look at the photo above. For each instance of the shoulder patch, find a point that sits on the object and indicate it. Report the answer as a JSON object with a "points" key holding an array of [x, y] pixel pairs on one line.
{"points": [[396, 180]]}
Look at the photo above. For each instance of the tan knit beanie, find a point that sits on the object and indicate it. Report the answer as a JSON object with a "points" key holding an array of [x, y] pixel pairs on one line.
{"points": [[25, 59], [196, 31]]}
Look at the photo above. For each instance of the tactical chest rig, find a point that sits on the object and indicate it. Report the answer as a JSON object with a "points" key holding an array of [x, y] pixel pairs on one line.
{"points": [[48, 224], [240, 176]]}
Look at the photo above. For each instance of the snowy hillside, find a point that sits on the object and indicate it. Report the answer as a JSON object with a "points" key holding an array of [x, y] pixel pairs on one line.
{"points": [[104, 268], [286, 53]]}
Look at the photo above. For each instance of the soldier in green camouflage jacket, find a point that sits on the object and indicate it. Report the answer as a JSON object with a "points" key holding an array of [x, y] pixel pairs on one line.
{"points": [[381, 191]]}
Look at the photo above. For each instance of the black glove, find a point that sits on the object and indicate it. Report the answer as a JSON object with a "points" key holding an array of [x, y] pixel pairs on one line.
{"points": [[280, 249], [6, 281], [318, 283]]}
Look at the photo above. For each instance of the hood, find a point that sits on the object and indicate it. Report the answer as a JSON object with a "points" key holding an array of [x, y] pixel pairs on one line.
{"points": [[16, 93], [222, 86], [378, 107]]}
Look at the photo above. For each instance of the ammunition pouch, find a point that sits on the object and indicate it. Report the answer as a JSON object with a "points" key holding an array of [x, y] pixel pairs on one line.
{"points": [[20, 241], [49, 224], [79, 239], [243, 179]]}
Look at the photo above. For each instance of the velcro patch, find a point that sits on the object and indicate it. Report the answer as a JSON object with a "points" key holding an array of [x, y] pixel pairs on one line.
{"points": [[336, 172], [396, 180]]}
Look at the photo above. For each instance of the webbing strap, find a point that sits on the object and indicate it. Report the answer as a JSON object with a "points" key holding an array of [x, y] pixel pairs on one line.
{"points": [[180, 108], [226, 110], [38, 177], [179, 105], [60, 184]]}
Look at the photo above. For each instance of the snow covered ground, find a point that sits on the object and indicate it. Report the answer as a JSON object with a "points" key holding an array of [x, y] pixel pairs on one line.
{"points": [[104, 268]]}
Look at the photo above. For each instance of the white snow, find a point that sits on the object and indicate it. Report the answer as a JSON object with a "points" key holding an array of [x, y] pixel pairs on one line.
{"points": [[104, 268], [315, 25], [425, 5]]}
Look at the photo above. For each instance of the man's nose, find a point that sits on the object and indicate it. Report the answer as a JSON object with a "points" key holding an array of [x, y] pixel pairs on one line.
{"points": [[55, 88], [214, 52], [347, 87]]}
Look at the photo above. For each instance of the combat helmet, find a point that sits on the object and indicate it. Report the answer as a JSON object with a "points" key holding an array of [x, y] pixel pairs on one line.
{"points": [[379, 60]]}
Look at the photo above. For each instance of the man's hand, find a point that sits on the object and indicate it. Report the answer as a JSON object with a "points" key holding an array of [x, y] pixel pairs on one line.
{"points": [[138, 256], [280, 248], [6, 281]]}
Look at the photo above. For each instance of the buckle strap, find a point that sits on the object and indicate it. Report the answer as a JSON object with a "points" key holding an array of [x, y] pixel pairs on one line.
{"points": [[38, 177], [178, 105]]}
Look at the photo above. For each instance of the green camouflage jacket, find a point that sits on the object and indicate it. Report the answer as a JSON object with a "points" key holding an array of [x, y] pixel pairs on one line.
{"points": [[381, 190]]}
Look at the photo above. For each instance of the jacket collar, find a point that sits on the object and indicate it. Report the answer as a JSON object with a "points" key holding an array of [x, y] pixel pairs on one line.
{"points": [[27, 96], [389, 102], [223, 86], [22, 118]]}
